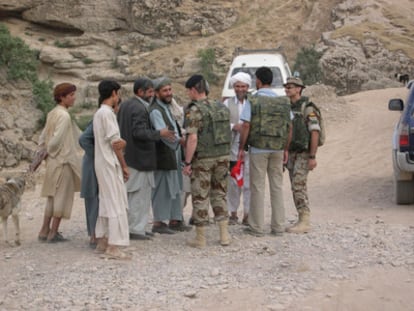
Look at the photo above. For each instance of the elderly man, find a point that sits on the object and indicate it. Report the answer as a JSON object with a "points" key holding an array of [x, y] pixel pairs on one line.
{"points": [[140, 155], [241, 83], [166, 196]]}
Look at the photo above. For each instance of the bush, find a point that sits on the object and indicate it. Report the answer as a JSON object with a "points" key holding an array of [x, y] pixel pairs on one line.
{"points": [[20, 61], [207, 62], [87, 61], [83, 121], [307, 64], [43, 97]]}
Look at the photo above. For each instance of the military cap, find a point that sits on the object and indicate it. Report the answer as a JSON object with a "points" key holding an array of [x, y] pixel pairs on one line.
{"points": [[193, 80], [296, 81]]}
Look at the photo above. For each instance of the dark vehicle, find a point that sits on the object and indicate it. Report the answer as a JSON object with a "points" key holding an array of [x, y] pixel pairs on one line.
{"points": [[403, 147]]}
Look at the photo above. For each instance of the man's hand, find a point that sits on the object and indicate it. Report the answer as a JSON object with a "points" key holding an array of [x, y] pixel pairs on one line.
{"points": [[312, 164], [237, 127], [240, 156], [167, 134], [285, 156], [125, 173], [187, 170], [119, 144]]}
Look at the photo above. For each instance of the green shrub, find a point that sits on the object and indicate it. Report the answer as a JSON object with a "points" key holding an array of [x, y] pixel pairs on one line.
{"points": [[87, 60], [43, 97], [83, 121], [61, 44], [21, 63], [307, 64], [207, 59], [18, 59]]}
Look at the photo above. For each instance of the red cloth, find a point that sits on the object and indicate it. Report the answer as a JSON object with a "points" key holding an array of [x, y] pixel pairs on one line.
{"points": [[237, 172]]}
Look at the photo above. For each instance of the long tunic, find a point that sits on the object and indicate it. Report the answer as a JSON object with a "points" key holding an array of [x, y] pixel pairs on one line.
{"points": [[113, 203], [60, 137], [166, 196], [89, 184]]}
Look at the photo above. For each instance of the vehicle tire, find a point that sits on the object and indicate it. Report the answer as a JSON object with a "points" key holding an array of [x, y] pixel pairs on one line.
{"points": [[404, 191]]}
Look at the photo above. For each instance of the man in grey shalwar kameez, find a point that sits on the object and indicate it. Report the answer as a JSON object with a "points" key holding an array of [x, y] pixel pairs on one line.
{"points": [[166, 196]]}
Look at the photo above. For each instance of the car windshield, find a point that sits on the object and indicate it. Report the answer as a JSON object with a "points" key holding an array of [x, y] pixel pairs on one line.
{"points": [[277, 75]]}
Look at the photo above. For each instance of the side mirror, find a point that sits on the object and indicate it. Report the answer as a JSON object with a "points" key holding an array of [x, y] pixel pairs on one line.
{"points": [[396, 104]]}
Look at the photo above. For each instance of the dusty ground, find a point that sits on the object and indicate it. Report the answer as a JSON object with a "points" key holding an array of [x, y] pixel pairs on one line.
{"points": [[358, 257]]}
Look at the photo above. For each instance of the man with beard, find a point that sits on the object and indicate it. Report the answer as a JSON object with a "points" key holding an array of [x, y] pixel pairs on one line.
{"points": [[241, 83], [140, 155], [166, 196]]}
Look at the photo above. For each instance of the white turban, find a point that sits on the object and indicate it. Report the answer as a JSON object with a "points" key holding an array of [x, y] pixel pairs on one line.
{"points": [[241, 77]]}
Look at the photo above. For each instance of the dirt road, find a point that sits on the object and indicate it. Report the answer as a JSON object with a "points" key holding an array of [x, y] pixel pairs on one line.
{"points": [[360, 255]]}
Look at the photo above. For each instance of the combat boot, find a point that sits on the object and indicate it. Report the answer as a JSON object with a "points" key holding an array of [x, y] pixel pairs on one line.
{"points": [[224, 232], [302, 225], [200, 238]]}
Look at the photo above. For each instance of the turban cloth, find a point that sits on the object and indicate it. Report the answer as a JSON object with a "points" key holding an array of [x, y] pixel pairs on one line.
{"points": [[161, 82], [241, 77]]}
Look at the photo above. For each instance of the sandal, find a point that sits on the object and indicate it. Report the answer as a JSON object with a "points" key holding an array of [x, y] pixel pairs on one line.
{"points": [[42, 238], [57, 238]]}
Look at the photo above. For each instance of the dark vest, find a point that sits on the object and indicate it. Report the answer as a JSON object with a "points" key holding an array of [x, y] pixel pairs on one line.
{"points": [[166, 157]]}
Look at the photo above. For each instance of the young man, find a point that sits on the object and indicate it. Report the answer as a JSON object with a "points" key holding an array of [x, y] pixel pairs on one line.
{"points": [[267, 125], [302, 151], [111, 172], [241, 83], [63, 165], [207, 159]]}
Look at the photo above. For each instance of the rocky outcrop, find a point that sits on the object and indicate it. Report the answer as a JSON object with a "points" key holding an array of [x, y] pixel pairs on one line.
{"points": [[87, 41], [155, 18], [18, 123], [358, 59]]}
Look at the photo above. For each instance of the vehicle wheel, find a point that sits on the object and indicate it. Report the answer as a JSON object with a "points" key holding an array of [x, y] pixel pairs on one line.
{"points": [[404, 191]]}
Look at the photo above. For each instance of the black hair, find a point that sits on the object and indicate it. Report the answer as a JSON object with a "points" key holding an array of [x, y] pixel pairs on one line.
{"points": [[264, 75], [142, 84], [105, 88]]}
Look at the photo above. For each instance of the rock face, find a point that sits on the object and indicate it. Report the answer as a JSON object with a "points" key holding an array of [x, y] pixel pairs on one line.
{"points": [[363, 45], [156, 18], [18, 123], [355, 58]]}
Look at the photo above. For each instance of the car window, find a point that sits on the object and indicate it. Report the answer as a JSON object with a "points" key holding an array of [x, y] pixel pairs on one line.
{"points": [[409, 103], [277, 75]]}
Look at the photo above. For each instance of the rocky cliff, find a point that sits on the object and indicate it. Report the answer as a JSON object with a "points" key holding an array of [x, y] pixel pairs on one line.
{"points": [[364, 43]]}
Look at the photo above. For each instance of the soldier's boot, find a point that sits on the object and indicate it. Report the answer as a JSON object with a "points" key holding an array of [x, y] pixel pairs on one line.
{"points": [[200, 238], [302, 225], [224, 232]]}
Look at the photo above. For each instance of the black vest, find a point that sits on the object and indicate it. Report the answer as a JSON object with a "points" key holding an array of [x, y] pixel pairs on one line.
{"points": [[166, 157]]}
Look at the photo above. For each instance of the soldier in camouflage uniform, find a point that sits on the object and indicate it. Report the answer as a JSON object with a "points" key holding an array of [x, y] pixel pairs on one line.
{"points": [[302, 151], [207, 159]]}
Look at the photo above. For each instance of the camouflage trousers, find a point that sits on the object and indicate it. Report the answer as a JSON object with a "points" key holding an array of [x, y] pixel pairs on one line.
{"points": [[209, 187], [298, 173]]}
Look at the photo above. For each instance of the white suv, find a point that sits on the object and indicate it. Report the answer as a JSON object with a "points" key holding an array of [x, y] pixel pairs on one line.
{"points": [[251, 61]]}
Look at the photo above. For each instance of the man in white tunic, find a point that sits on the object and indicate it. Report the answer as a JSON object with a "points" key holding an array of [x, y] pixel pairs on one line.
{"points": [[111, 171], [241, 83]]}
